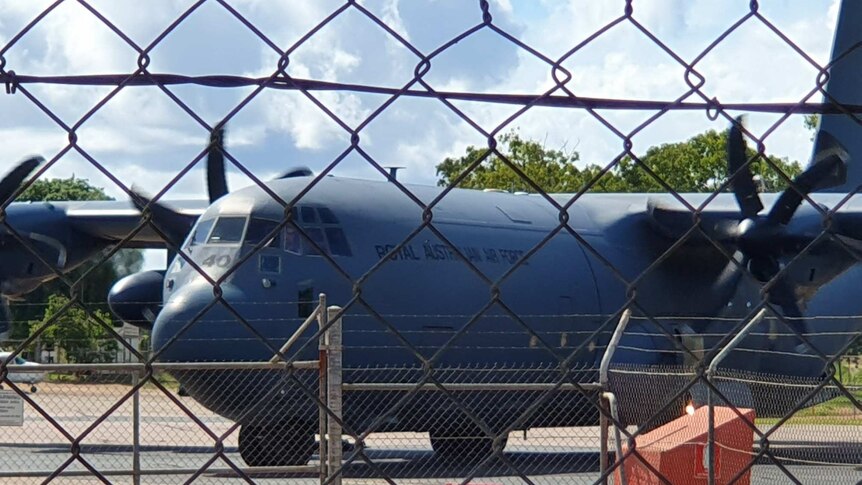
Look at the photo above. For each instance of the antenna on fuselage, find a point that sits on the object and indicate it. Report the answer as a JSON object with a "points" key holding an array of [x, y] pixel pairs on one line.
{"points": [[393, 173]]}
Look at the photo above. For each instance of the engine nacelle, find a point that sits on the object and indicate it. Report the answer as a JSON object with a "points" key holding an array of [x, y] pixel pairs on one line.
{"points": [[137, 298]]}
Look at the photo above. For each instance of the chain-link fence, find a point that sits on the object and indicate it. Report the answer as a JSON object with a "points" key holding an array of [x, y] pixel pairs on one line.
{"points": [[480, 336]]}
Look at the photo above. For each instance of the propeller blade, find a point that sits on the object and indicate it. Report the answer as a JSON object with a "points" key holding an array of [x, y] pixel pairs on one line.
{"points": [[824, 168], [174, 224], [727, 283], [826, 145], [216, 179], [16, 177], [743, 184], [782, 294]]}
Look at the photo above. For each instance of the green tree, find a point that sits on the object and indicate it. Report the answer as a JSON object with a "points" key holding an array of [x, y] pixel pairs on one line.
{"points": [[696, 165], [94, 287], [811, 123], [62, 189], [553, 170], [699, 164], [82, 338]]}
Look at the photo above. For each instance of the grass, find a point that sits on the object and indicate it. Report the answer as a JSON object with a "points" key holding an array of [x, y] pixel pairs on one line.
{"points": [[163, 378], [840, 410]]}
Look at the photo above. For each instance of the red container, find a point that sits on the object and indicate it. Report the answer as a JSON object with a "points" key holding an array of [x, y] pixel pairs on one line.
{"points": [[678, 449]]}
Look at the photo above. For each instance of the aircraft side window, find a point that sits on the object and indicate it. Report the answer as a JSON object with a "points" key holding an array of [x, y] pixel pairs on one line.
{"points": [[228, 230], [259, 229], [269, 264], [201, 232]]}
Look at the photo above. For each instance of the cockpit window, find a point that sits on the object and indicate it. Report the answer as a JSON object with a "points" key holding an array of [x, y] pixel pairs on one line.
{"points": [[261, 228], [19, 361], [321, 226], [337, 242], [227, 230], [326, 216], [292, 243], [201, 232], [316, 235], [309, 215]]}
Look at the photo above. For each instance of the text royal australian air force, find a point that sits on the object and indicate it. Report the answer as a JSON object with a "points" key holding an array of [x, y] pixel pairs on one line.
{"points": [[443, 252]]}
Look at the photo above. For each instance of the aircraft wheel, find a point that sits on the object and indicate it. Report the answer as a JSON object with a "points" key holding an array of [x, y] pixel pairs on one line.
{"points": [[33, 389], [276, 445], [470, 445]]}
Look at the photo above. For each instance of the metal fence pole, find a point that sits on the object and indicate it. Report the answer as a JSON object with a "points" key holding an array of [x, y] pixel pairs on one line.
{"points": [[603, 438], [710, 400], [333, 402], [136, 431], [603, 383], [323, 418]]}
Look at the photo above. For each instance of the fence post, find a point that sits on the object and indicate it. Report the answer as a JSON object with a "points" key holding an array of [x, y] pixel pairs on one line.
{"points": [[603, 438], [323, 417], [333, 402], [136, 430], [710, 400], [603, 383]]}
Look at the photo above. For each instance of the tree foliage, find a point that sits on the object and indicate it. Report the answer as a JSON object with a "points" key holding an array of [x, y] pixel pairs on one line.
{"points": [[83, 339], [696, 165], [62, 189]]}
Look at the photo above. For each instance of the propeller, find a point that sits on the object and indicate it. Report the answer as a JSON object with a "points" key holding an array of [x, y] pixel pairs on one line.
{"points": [[8, 186], [764, 240]]}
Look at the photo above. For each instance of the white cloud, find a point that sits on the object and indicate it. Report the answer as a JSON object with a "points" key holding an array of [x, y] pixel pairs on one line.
{"points": [[147, 132]]}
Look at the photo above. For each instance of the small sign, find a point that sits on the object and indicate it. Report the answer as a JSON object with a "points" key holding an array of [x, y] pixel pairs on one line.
{"points": [[11, 409], [701, 465]]}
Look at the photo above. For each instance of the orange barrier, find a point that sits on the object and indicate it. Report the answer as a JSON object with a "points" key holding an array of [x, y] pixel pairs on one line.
{"points": [[678, 449]]}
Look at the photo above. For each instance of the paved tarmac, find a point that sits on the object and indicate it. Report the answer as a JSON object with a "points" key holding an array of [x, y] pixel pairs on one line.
{"points": [[171, 442], [413, 466]]}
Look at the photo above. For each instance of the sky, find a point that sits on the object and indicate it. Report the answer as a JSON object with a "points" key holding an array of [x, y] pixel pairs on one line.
{"points": [[144, 138]]}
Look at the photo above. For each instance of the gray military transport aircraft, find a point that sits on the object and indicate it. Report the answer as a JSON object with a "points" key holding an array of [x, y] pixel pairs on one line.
{"points": [[341, 227]]}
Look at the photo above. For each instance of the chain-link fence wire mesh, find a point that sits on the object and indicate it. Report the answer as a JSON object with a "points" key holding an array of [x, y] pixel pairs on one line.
{"points": [[495, 342]]}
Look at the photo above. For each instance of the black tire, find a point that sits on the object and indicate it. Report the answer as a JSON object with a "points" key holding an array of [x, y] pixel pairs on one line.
{"points": [[33, 388], [276, 445], [464, 445]]}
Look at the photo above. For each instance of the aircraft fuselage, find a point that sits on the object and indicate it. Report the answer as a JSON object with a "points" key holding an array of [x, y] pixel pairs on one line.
{"points": [[524, 293]]}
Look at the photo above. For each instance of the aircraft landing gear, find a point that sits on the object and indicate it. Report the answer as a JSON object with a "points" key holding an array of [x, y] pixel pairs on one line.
{"points": [[33, 388], [464, 444], [285, 444]]}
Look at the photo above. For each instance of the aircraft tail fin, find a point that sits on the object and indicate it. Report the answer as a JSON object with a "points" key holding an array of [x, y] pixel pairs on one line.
{"points": [[844, 87]]}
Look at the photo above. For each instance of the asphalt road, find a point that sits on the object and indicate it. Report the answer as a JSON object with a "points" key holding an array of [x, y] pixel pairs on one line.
{"points": [[414, 466], [172, 442]]}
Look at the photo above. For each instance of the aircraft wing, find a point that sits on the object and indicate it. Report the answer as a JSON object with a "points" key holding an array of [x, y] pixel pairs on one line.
{"points": [[115, 220], [720, 219], [670, 218]]}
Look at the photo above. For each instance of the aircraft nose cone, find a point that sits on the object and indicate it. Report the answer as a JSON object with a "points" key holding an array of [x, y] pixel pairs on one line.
{"points": [[190, 328]]}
